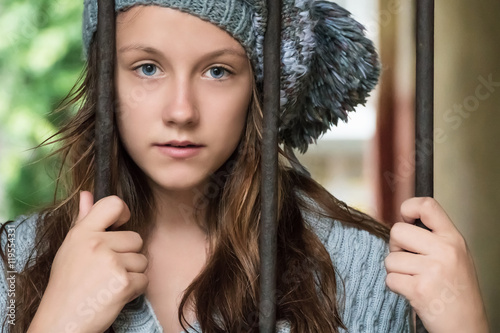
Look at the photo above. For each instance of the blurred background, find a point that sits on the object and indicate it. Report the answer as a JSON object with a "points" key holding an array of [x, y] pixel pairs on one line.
{"points": [[368, 163]]}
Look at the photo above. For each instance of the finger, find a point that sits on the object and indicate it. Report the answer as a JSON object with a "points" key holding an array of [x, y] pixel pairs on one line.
{"points": [[108, 212], [138, 284], [407, 237], [430, 212], [130, 285], [134, 262], [405, 263], [123, 241], [86, 203], [402, 284]]}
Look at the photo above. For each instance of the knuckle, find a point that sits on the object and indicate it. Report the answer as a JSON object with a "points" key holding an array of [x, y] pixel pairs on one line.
{"points": [[428, 203], [388, 262], [144, 282], [124, 282], [125, 278], [94, 243], [390, 280], [115, 203], [143, 258], [139, 287], [112, 260], [127, 283], [406, 203], [450, 253], [435, 269], [396, 229], [139, 284], [137, 239], [421, 290], [460, 244]]}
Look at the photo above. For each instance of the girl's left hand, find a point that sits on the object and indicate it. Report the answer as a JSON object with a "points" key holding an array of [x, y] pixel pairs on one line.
{"points": [[434, 270]]}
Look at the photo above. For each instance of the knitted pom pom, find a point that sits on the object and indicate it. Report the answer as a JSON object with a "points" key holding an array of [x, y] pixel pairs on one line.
{"points": [[337, 66]]}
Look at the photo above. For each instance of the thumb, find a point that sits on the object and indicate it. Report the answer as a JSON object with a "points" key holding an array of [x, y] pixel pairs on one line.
{"points": [[86, 203]]}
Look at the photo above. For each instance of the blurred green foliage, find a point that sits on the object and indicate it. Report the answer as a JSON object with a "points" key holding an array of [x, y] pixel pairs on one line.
{"points": [[40, 60]]}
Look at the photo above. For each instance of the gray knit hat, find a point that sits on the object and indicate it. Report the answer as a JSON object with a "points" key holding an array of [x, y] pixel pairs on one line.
{"points": [[328, 66]]}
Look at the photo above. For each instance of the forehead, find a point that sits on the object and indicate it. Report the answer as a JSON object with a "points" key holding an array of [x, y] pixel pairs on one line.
{"points": [[163, 25]]}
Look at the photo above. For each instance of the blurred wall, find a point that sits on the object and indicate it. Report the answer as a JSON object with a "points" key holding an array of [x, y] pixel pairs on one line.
{"points": [[467, 139], [394, 142]]}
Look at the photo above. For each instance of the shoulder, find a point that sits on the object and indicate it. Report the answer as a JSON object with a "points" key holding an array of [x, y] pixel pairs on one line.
{"points": [[346, 240], [18, 239], [352, 250], [358, 256]]}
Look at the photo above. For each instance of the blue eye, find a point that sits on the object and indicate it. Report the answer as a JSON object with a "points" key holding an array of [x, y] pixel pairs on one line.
{"points": [[218, 72], [148, 69]]}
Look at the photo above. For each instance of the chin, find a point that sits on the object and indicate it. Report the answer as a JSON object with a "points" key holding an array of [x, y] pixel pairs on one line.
{"points": [[178, 183]]}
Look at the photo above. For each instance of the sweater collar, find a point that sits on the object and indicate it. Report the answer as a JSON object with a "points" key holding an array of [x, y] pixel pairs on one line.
{"points": [[138, 316]]}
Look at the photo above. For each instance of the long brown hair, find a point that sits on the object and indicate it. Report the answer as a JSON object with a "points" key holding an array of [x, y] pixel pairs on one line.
{"points": [[225, 294]]}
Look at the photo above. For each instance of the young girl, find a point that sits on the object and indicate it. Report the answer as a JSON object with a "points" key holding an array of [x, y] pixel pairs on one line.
{"points": [[182, 249]]}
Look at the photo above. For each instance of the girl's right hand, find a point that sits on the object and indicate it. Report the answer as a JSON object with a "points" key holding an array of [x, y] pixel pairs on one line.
{"points": [[94, 273]]}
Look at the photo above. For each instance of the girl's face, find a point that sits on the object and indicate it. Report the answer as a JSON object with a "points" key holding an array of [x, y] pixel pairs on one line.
{"points": [[179, 78]]}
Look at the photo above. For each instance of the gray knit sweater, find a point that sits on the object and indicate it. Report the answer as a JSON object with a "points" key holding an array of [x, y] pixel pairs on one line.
{"points": [[357, 256]]}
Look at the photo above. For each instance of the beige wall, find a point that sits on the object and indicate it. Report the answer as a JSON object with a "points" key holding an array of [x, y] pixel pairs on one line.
{"points": [[467, 147]]}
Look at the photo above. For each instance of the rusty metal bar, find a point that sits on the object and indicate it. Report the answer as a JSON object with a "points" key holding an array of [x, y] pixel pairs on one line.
{"points": [[424, 122], [424, 117], [105, 98], [269, 165]]}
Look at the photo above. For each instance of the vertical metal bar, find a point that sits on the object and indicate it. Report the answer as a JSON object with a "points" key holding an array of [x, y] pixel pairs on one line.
{"points": [[105, 97], [424, 119], [105, 100], [424, 122], [269, 165]]}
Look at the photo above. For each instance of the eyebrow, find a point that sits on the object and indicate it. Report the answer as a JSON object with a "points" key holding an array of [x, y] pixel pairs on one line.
{"points": [[152, 50]]}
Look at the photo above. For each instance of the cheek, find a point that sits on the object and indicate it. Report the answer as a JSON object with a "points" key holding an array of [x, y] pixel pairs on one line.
{"points": [[229, 109], [137, 102], [134, 96], [242, 104], [131, 120]]}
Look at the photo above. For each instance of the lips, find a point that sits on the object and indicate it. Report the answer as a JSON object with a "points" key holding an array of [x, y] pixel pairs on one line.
{"points": [[179, 150], [180, 144]]}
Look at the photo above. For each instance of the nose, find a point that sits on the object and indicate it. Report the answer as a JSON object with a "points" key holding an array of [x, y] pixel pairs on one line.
{"points": [[180, 109]]}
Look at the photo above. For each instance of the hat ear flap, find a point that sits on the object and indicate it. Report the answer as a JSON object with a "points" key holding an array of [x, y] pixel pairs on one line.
{"points": [[343, 69]]}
